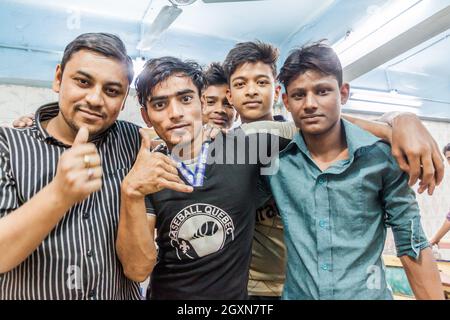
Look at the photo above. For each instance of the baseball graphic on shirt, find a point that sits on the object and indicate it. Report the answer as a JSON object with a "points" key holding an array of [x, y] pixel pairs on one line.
{"points": [[199, 230]]}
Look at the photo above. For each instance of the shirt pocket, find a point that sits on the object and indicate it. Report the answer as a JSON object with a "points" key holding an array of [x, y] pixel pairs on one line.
{"points": [[347, 208]]}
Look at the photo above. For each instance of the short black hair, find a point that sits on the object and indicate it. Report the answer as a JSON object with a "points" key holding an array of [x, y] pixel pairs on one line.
{"points": [[106, 44], [215, 75], [318, 57], [158, 70], [446, 148], [251, 52]]}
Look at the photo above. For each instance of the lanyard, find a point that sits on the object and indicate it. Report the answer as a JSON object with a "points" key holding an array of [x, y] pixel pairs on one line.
{"points": [[195, 178]]}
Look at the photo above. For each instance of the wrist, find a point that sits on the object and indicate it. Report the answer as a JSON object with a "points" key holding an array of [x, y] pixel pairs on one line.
{"points": [[58, 197], [130, 190], [399, 116]]}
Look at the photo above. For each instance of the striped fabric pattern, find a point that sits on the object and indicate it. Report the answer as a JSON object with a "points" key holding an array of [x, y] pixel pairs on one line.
{"points": [[78, 259]]}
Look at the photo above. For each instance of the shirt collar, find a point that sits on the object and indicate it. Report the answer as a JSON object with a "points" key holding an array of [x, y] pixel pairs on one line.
{"points": [[358, 140], [51, 110]]}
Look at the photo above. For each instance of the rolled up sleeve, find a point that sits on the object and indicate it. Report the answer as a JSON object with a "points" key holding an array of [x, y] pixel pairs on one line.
{"points": [[402, 212], [150, 209], [9, 200]]}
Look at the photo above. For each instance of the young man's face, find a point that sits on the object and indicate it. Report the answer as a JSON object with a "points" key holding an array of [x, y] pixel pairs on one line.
{"points": [[217, 110], [315, 100], [253, 91], [447, 155], [92, 90], [174, 110]]}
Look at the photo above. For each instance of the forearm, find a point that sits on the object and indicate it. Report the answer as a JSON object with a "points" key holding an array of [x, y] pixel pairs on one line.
{"points": [[423, 276], [24, 229], [135, 242], [379, 129], [442, 231]]}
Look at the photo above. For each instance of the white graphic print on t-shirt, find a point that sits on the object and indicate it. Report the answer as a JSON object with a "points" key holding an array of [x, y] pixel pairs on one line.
{"points": [[200, 229]]}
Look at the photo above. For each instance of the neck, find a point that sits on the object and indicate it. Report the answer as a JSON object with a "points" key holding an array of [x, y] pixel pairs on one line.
{"points": [[60, 130], [267, 117], [327, 147], [189, 150]]}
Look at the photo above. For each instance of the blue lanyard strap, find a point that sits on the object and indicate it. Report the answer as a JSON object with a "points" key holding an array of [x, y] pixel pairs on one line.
{"points": [[195, 178]]}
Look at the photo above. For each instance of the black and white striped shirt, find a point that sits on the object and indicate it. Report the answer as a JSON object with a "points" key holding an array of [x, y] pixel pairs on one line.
{"points": [[78, 259]]}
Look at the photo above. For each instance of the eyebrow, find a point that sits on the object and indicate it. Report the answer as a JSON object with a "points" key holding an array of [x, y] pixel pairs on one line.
{"points": [[109, 83], [258, 76], [176, 94], [316, 85]]}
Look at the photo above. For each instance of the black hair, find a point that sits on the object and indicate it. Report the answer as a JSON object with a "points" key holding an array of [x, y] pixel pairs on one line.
{"points": [[215, 75], [253, 52], [446, 148], [159, 69], [317, 56], [106, 44]]}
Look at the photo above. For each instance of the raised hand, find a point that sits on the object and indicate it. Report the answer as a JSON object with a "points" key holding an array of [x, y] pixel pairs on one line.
{"points": [[152, 172], [79, 171]]}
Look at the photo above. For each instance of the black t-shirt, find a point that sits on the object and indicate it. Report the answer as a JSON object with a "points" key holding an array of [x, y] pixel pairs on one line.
{"points": [[205, 237]]}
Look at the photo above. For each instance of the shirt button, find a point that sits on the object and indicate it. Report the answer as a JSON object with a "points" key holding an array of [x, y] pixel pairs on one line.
{"points": [[85, 215], [325, 267], [91, 294], [321, 180], [90, 253], [323, 224]]}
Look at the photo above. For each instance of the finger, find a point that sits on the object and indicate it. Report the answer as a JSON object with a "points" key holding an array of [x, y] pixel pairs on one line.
{"points": [[93, 173], [154, 144], [93, 160], [215, 132], [82, 137], [427, 179], [146, 138], [92, 186], [176, 186], [167, 160], [172, 177], [29, 119], [414, 168], [83, 149], [438, 162], [401, 160], [431, 187], [206, 132], [169, 167]]}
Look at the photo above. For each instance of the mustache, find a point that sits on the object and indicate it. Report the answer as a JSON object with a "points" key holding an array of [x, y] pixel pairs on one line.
{"points": [[82, 106]]}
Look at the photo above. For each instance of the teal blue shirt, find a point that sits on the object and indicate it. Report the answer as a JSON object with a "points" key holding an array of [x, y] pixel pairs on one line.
{"points": [[335, 221]]}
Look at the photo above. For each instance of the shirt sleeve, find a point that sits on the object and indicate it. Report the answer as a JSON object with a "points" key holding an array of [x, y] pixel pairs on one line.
{"points": [[402, 212], [263, 193], [9, 200], [285, 130], [150, 209], [448, 216]]}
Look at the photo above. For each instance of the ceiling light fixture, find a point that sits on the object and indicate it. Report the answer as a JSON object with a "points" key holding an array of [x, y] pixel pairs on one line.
{"points": [[392, 97], [182, 2]]}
